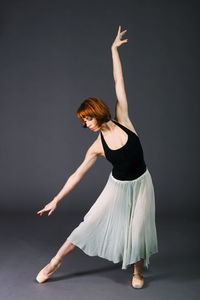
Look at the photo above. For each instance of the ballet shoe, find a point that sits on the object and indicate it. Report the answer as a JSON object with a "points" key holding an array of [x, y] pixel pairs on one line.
{"points": [[55, 263], [137, 282]]}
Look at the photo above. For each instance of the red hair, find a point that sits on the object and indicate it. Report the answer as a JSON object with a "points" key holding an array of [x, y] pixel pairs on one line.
{"points": [[94, 107]]}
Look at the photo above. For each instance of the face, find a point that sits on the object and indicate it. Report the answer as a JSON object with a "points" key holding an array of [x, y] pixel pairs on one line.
{"points": [[91, 123]]}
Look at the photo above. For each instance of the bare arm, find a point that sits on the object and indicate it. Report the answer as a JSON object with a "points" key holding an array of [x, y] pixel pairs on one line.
{"points": [[117, 67], [121, 108], [90, 158]]}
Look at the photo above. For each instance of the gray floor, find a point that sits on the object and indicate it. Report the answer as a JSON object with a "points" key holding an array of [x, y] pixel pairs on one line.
{"points": [[29, 241]]}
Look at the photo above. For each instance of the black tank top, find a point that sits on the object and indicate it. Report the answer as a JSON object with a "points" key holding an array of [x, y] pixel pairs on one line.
{"points": [[128, 161]]}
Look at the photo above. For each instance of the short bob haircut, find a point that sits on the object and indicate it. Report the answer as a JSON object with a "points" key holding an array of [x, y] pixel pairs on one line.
{"points": [[94, 107]]}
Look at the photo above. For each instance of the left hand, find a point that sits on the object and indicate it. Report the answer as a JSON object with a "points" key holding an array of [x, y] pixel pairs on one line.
{"points": [[117, 42]]}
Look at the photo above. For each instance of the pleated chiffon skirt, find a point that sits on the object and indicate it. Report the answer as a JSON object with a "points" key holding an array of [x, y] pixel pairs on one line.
{"points": [[120, 225]]}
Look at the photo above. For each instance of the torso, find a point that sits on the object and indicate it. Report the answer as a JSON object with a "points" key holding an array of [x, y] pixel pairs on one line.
{"points": [[126, 154], [116, 140]]}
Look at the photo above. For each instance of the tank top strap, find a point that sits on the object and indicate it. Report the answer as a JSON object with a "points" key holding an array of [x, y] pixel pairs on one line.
{"points": [[122, 126], [128, 131], [102, 138]]}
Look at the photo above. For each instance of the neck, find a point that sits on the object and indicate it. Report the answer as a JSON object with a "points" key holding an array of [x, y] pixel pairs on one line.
{"points": [[107, 126]]}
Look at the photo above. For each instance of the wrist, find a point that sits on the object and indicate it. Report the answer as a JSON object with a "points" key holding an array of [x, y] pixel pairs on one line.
{"points": [[113, 48], [56, 200]]}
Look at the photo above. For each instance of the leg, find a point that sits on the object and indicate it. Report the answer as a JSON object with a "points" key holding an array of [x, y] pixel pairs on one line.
{"points": [[64, 250], [55, 262], [138, 267], [137, 280]]}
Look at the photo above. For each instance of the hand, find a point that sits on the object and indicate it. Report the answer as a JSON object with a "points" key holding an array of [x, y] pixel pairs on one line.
{"points": [[117, 42], [50, 206]]}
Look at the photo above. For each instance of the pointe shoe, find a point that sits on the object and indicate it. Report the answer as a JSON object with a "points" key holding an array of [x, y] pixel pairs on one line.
{"points": [[137, 282], [55, 263]]}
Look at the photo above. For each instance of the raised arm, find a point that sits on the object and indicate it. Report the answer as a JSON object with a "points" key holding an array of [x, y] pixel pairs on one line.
{"points": [[90, 158], [121, 108]]}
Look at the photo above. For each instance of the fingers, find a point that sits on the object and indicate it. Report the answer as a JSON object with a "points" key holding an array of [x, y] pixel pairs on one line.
{"points": [[50, 212], [121, 33], [119, 29], [124, 41], [40, 212]]}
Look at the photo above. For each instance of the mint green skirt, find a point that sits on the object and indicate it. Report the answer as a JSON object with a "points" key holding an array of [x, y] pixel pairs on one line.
{"points": [[120, 225]]}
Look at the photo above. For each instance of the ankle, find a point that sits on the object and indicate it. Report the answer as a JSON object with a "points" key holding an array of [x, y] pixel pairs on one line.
{"points": [[57, 258], [137, 271], [138, 267], [137, 274]]}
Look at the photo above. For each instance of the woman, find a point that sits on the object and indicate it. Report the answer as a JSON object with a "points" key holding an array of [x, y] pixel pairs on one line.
{"points": [[120, 225]]}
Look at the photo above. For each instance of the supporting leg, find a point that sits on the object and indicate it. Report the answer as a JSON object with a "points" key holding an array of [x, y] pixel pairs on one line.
{"points": [[138, 267], [138, 280]]}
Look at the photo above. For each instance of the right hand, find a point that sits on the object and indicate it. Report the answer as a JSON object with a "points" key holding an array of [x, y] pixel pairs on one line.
{"points": [[50, 206]]}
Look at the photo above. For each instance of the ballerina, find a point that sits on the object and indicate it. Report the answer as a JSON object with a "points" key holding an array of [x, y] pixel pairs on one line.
{"points": [[120, 225]]}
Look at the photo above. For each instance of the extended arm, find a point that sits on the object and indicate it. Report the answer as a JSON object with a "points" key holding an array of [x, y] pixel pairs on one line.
{"points": [[121, 108], [90, 158]]}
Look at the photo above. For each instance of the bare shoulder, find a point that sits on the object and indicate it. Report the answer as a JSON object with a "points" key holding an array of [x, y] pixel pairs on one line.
{"points": [[96, 146], [127, 123]]}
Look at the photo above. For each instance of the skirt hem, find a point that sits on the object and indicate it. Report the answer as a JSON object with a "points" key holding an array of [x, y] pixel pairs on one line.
{"points": [[123, 267]]}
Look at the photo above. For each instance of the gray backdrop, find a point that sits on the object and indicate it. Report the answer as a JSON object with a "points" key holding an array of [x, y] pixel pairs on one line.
{"points": [[54, 54]]}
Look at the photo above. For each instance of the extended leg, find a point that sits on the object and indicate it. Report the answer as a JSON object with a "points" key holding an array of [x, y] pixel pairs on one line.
{"points": [[55, 262], [65, 248]]}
